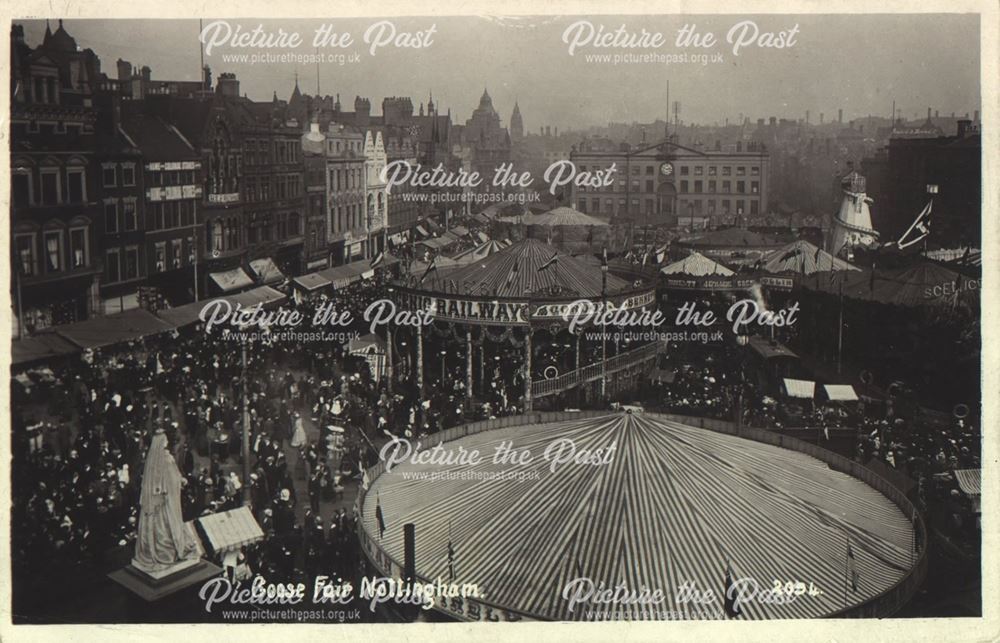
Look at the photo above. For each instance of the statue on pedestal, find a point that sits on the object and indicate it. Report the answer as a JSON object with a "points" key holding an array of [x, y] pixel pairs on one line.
{"points": [[164, 541]]}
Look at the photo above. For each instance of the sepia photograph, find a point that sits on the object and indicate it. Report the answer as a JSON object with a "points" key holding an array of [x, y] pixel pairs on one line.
{"points": [[391, 319]]}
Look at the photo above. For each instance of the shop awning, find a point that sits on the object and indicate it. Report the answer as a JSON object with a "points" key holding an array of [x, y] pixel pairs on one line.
{"points": [[189, 313], [231, 279], [969, 481], [342, 276], [460, 231], [40, 347], [113, 329], [840, 392], [267, 271], [311, 282], [231, 530], [800, 388], [482, 237]]}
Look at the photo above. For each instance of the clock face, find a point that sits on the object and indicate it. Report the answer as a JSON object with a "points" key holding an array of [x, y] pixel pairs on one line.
{"points": [[667, 169]]}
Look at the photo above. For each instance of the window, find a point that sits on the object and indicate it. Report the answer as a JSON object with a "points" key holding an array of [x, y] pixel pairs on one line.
{"points": [[739, 207], [53, 251], [596, 206], [649, 186], [160, 263], [128, 214], [635, 170], [77, 191], [697, 187], [725, 206], [131, 262], [755, 170], [128, 174], [78, 250], [175, 253], [650, 169], [741, 171], [755, 187], [50, 186], [684, 186], [25, 244], [111, 216], [727, 187], [754, 207], [684, 170], [20, 188], [741, 187], [108, 175], [711, 187], [699, 170], [712, 170], [582, 206], [112, 269], [727, 171]]}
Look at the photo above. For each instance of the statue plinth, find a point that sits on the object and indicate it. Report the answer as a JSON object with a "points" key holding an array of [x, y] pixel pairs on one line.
{"points": [[153, 587]]}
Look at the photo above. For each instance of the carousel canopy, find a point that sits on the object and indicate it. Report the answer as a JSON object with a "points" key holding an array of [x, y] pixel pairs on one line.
{"points": [[804, 258], [697, 265], [517, 270], [673, 504], [563, 216]]}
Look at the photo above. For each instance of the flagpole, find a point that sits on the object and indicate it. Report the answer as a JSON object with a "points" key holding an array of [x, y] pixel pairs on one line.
{"points": [[840, 327]]}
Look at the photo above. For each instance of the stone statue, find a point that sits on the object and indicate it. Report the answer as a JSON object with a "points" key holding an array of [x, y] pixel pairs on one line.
{"points": [[164, 541]]}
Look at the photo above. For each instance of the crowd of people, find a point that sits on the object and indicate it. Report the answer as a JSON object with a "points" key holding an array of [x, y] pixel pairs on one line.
{"points": [[316, 416]]}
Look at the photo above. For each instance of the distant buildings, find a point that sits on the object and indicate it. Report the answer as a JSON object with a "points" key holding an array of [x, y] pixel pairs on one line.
{"points": [[900, 173]]}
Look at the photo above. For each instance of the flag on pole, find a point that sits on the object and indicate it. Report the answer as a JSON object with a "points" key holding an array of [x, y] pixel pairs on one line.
{"points": [[553, 260], [377, 259], [852, 568], [512, 275], [729, 604], [379, 517], [431, 267], [918, 230]]}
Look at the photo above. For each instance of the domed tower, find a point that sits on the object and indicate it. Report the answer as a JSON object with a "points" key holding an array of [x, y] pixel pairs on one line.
{"points": [[516, 124], [852, 225]]}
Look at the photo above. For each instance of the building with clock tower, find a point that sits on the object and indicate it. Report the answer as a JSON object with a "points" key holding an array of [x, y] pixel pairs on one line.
{"points": [[671, 184]]}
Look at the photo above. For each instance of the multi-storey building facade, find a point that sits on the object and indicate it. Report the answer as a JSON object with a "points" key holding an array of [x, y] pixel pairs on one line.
{"points": [[671, 184], [56, 193], [345, 189], [376, 198]]}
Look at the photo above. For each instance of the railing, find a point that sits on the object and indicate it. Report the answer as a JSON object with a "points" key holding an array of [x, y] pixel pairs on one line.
{"points": [[885, 604], [591, 372]]}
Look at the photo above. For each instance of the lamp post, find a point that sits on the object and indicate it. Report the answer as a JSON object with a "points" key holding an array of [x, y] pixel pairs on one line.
{"points": [[604, 328]]}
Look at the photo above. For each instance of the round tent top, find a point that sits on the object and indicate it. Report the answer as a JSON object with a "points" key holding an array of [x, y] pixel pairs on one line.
{"points": [[564, 216], [671, 504]]}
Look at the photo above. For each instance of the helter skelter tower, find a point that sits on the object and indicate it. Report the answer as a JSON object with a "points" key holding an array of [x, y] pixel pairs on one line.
{"points": [[852, 225]]}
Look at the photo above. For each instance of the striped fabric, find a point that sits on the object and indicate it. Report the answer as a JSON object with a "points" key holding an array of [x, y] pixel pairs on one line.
{"points": [[490, 275], [674, 505]]}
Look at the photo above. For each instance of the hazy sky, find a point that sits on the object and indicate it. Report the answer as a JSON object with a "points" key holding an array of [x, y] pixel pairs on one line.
{"points": [[859, 63]]}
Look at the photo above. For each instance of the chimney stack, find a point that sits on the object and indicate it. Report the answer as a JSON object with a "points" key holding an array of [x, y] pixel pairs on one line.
{"points": [[964, 128], [821, 118], [840, 116], [975, 117]]}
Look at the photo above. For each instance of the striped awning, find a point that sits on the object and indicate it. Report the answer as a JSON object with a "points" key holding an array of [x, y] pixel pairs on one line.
{"points": [[969, 481], [267, 271], [231, 530], [800, 388], [672, 505]]}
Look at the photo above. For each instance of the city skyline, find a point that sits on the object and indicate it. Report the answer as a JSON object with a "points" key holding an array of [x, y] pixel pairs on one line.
{"points": [[761, 82]]}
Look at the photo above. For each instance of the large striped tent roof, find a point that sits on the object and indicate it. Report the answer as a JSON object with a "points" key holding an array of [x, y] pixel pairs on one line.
{"points": [[673, 506], [497, 276]]}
